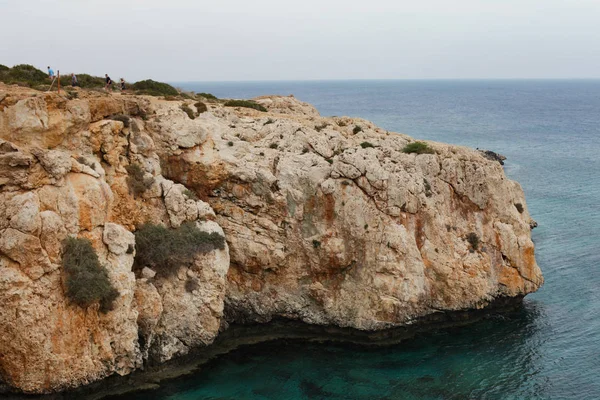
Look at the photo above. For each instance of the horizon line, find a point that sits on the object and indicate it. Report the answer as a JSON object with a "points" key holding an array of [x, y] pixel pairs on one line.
{"points": [[385, 80]]}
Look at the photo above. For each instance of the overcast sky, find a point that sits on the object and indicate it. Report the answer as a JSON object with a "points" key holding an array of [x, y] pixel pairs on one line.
{"points": [[208, 40]]}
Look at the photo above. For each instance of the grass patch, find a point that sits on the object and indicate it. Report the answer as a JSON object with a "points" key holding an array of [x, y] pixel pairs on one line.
{"points": [[154, 88], [418, 148], [357, 129], [316, 244], [86, 280], [136, 181], [165, 250], [269, 121], [366, 145], [245, 103], [273, 145]]}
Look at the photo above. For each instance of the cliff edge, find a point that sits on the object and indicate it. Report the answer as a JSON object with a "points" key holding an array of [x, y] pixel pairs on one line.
{"points": [[330, 221]]}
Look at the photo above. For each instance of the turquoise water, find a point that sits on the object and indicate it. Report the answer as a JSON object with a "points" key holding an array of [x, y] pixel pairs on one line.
{"points": [[550, 132]]}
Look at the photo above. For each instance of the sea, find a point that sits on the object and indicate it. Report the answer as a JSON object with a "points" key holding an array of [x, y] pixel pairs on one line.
{"points": [[549, 130]]}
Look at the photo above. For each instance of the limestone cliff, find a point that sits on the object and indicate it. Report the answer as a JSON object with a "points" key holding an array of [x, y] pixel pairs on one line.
{"points": [[327, 221]]}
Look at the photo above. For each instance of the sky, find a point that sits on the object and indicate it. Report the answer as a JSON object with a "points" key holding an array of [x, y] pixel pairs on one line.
{"points": [[236, 40]]}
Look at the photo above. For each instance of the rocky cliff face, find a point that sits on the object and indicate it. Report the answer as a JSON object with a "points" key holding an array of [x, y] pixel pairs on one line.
{"points": [[327, 221]]}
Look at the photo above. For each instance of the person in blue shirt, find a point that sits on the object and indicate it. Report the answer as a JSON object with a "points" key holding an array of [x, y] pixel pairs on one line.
{"points": [[50, 73]]}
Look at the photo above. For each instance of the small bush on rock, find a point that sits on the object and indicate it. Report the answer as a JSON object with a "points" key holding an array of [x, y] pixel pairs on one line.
{"points": [[186, 109], [519, 208], [473, 240], [418, 148], [246, 104], [136, 181], [87, 281], [165, 250], [357, 129], [365, 145], [201, 107]]}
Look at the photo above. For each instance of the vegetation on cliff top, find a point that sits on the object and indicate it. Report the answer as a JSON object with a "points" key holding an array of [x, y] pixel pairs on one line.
{"points": [[246, 104], [154, 88], [86, 280], [168, 249], [418, 148]]}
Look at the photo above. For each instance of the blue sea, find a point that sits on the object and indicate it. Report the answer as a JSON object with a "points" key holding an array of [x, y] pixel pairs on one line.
{"points": [[550, 133]]}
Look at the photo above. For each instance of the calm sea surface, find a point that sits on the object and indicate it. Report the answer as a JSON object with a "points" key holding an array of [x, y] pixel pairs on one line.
{"points": [[550, 132]]}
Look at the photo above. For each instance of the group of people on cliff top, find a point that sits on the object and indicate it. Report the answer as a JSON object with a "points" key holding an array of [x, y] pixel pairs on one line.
{"points": [[107, 86]]}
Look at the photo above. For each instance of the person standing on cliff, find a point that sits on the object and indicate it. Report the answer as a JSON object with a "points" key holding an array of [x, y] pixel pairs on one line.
{"points": [[73, 80], [122, 82], [50, 73], [109, 82]]}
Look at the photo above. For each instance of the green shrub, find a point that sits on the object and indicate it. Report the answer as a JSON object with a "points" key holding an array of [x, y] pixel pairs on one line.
{"points": [[365, 145], [136, 181], [123, 118], [329, 160], [3, 68], [154, 88], [269, 121], [86, 280], [305, 150], [89, 81], [230, 143], [316, 244], [166, 250], [186, 109], [273, 145], [207, 96], [201, 107], [357, 129], [23, 74], [246, 104], [418, 148], [519, 208], [473, 240], [341, 123]]}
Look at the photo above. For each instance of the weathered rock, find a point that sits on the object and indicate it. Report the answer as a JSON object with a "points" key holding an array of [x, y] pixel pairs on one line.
{"points": [[325, 223]]}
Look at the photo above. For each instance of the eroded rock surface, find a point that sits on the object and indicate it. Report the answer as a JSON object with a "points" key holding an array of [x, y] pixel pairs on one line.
{"points": [[327, 221]]}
